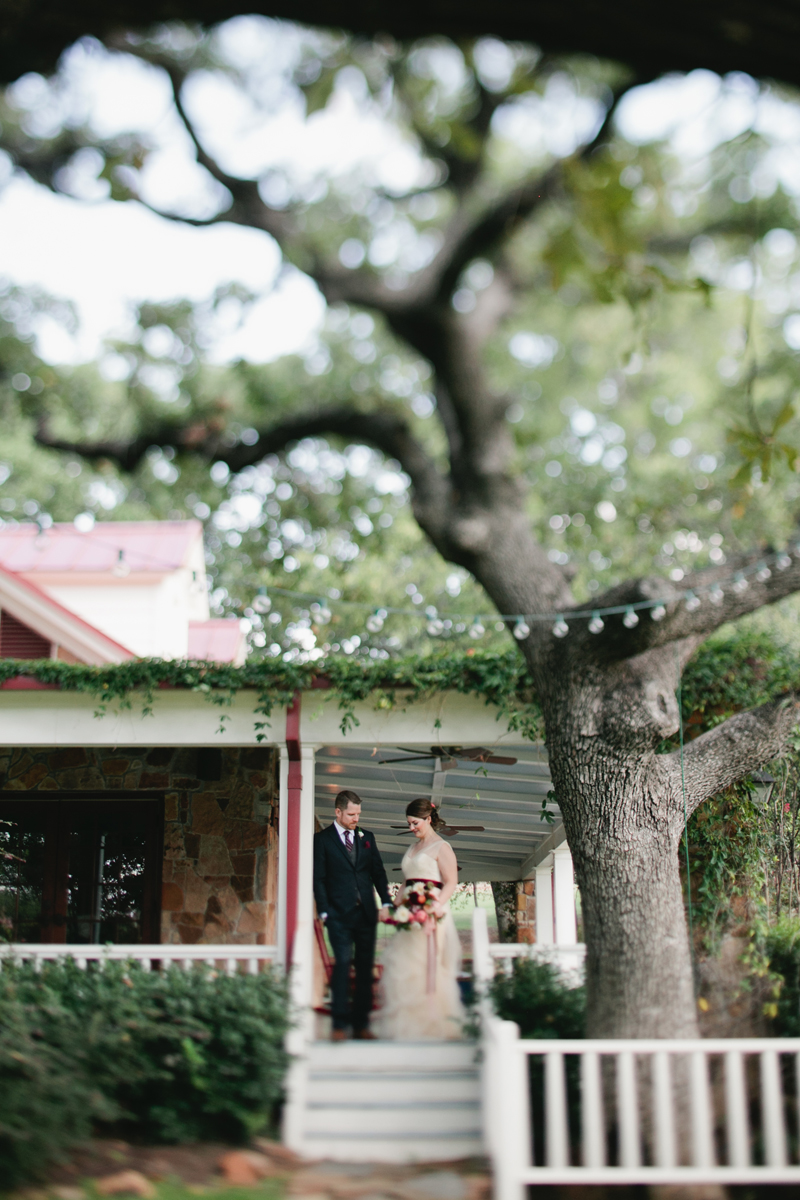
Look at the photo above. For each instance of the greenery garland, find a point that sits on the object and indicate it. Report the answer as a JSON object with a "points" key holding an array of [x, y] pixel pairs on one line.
{"points": [[500, 679]]}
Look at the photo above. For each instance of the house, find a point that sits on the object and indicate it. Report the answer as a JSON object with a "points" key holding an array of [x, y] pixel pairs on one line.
{"points": [[172, 834], [120, 590]]}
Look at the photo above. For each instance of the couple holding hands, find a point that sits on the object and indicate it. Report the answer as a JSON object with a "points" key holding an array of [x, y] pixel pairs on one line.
{"points": [[419, 993]]}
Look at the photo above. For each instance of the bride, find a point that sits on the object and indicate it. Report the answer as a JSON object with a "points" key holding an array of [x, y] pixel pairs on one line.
{"points": [[420, 994]]}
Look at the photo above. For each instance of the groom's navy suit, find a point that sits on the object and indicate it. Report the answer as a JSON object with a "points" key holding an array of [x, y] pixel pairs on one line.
{"points": [[343, 888]]}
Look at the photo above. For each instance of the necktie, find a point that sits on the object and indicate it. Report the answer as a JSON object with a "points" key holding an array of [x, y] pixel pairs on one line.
{"points": [[348, 841]]}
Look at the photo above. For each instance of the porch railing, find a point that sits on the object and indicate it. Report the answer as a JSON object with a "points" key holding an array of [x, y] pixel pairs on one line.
{"points": [[229, 959], [645, 1111]]}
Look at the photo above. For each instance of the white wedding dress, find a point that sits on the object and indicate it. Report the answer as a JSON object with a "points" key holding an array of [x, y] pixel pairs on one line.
{"points": [[408, 1011]]}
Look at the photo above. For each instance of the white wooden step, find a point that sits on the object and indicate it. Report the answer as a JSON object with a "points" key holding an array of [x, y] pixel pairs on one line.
{"points": [[391, 1119], [335, 1087], [392, 1101], [415, 1148], [399, 1056]]}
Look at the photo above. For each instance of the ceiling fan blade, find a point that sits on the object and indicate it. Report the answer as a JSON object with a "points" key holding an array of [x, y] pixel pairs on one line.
{"points": [[383, 762], [469, 828], [498, 758]]}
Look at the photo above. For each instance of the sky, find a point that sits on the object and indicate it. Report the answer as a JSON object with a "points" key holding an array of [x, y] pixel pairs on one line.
{"points": [[105, 256]]}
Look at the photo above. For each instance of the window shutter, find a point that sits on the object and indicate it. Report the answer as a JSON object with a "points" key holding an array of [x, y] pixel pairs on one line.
{"points": [[19, 641]]}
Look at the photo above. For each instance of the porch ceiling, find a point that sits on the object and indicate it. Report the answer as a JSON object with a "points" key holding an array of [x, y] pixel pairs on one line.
{"points": [[507, 800]]}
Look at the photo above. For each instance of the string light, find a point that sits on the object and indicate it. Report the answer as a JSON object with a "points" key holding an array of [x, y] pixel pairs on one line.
{"points": [[374, 623], [262, 602], [521, 624]]}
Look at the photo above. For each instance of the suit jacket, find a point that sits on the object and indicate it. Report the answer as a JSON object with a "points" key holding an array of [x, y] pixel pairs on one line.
{"points": [[341, 879]]}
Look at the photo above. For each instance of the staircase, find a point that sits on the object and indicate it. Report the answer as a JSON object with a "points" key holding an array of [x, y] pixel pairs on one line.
{"points": [[390, 1102]]}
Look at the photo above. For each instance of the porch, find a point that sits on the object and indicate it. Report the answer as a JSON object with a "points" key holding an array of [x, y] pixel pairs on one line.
{"points": [[667, 1112]]}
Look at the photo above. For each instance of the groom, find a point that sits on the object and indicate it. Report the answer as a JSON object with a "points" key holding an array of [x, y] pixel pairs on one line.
{"points": [[347, 866]]}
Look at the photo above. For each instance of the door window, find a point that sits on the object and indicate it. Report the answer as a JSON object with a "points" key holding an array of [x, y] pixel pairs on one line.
{"points": [[80, 871]]}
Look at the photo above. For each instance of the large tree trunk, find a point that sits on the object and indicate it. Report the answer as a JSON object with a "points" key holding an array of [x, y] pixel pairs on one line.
{"points": [[624, 819]]}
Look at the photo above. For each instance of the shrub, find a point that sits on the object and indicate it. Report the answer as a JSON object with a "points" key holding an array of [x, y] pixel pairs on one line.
{"points": [[542, 1004], [782, 948], [169, 1056]]}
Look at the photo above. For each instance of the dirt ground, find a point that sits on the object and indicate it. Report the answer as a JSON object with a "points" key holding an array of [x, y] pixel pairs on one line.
{"points": [[180, 1172]]}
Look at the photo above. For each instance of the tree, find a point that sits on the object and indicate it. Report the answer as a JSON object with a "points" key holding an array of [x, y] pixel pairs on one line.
{"points": [[483, 227], [752, 38]]}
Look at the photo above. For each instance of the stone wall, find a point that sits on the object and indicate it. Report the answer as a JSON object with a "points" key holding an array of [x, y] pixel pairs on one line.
{"points": [[220, 863], [526, 911]]}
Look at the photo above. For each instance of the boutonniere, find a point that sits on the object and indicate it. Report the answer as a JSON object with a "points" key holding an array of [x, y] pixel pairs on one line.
{"points": [[360, 832]]}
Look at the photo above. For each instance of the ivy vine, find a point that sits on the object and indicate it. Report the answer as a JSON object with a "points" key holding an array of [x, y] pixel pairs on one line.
{"points": [[500, 679]]}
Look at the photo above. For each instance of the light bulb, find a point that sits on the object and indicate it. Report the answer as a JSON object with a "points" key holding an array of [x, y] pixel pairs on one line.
{"points": [[740, 584], [692, 602], [476, 630], [716, 595], [763, 573], [374, 623], [521, 630], [631, 619], [262, 603], [782, 562], [561, 628], [435, 627], [597, 624], [658, 613]]}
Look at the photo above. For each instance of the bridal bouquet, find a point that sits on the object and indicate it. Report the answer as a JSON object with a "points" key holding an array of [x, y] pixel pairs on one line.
{"points": [[417, 907]]}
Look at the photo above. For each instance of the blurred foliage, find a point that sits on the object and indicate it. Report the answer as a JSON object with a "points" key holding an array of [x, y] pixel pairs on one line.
{"points": [[780, 945], [535, 995], [169, 1055], [644, 340]]}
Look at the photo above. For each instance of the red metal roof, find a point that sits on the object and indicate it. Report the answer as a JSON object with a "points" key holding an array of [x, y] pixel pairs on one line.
{"points": [[151, 546], [217, 640]]}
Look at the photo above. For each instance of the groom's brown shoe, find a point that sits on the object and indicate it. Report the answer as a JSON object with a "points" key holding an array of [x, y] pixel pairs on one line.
{"points": [[365, 1035], [339, 1035]]}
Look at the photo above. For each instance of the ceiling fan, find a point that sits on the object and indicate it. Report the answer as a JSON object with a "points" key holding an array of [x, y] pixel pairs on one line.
{"points": [[450, 755]]}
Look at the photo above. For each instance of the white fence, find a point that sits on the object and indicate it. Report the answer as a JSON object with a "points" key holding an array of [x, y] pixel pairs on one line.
{"points": [[646, 1111], [229, 959]]}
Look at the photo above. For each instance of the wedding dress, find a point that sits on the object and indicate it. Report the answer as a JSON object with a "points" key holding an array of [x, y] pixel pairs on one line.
{"points": [[409, 1012]]}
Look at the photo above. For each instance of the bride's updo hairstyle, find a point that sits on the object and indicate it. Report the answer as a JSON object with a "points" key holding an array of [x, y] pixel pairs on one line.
{"points": [[422, 808]]}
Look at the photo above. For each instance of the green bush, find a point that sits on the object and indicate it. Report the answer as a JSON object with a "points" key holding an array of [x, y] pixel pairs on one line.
{"points": [[782, 949], [168, 1056], [536, 997]]}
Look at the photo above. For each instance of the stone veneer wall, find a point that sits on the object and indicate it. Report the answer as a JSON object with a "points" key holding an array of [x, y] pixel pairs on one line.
{"points": [[220, 830], [526, 911]]}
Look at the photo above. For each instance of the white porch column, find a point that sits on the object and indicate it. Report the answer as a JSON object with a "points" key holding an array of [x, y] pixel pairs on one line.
{"points": [[566, 932], [305, 874], [283, 813], [544, 903]]}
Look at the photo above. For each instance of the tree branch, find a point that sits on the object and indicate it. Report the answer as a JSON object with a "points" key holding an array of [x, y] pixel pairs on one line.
{"points": [[722, 598], [742, 744], [383, 429]]}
